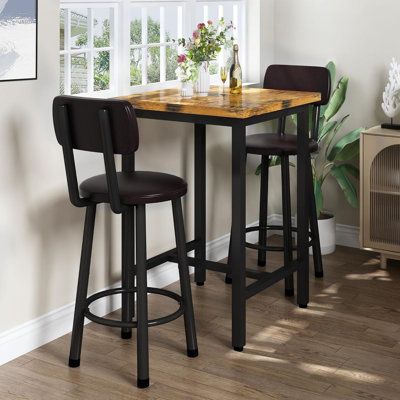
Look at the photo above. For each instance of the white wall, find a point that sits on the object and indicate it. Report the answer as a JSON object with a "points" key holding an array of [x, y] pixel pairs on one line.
{"points": [[40, 231], [361, 36]]}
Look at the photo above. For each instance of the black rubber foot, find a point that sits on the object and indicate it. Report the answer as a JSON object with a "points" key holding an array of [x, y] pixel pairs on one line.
{"points": [[74, 363], [126, 335], [261, 263], [143, 383], [303, 305], [319, 274], [200, 283], [240, 349], [228, 280], [289, 292], [192, 353]]}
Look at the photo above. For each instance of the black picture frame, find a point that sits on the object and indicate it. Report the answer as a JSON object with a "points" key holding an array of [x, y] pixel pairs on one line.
{"points": [[35, 77]]}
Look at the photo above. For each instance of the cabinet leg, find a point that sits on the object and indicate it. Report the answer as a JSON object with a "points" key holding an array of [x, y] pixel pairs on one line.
{"points": [[383, 261]]}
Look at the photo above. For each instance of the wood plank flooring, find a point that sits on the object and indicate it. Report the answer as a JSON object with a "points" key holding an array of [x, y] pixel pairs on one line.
{"points": [[344, 346]]}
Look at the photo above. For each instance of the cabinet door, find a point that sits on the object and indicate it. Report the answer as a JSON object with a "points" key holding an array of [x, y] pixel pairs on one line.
{"points": [[380, 192]]}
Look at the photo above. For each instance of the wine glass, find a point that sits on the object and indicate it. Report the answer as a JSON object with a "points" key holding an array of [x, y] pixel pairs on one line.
{"points": [[223, 73]]}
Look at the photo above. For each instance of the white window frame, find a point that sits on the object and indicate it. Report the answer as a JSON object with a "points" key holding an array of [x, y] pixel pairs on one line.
{"points": [[120, 46]]}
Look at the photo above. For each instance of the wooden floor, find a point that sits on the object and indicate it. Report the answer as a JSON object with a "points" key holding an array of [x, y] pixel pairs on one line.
{"points": [[344, 346]]}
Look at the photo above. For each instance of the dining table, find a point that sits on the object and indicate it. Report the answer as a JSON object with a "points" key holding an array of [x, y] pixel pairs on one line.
{"points": [[237, 111]]}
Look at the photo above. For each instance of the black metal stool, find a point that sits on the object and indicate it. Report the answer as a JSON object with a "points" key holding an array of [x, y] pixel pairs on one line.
{"points": [[110, 127], [267, 145]]}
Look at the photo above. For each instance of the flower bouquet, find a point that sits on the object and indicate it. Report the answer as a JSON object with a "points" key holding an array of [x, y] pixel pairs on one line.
{"points": [[203, 46]]}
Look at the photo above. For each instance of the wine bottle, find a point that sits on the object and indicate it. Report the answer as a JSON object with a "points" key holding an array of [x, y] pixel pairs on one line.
{"points": [[235, 82]]}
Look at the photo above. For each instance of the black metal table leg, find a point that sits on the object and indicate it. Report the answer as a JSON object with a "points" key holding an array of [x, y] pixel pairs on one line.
{"points": [[263, 219], [303, 209], [142, 311], [238, 251], [200, 200], [128, 261], [128, 255]]}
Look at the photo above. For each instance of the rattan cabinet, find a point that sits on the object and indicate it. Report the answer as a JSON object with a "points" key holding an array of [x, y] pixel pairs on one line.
{"points": [[380, 192]]}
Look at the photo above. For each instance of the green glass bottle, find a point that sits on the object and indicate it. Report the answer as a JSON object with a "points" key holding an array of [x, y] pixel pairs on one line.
{"points": [[235, 82]]}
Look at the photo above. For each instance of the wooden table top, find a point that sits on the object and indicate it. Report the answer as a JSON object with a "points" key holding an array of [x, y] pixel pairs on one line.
{"points": [[252, 102]]}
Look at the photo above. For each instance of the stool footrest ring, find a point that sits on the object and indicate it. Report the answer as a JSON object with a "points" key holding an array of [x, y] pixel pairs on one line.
{"points": [[257, 228], [122, 324]]}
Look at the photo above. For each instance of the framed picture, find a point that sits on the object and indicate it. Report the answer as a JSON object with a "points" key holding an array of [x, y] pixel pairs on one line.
{"points": [[18, 40]]}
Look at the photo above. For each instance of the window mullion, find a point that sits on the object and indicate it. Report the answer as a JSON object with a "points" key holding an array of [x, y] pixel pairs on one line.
{"points": [[145, 42], [90, 55], [67, 60], [163, 52]]}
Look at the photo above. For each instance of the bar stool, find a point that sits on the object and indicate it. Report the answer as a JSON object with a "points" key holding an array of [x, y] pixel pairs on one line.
{"points": [[110, 127], [267, 145]]}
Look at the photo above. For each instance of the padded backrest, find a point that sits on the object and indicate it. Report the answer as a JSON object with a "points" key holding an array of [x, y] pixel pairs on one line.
{"points": [[84, 123], [301, 78]]}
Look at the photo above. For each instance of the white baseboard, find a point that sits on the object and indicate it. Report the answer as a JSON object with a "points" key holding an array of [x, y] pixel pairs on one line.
{"points": [[32, 334], [346, 235]]}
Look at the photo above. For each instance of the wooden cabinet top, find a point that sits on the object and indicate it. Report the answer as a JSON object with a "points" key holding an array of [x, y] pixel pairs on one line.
{"points": [[378, 131], [252, 102]]}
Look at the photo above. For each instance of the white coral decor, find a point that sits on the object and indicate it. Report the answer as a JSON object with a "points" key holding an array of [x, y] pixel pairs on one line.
{"points": [[391, 95]]}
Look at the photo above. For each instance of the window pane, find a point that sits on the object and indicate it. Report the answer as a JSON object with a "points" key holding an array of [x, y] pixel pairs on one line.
{"points": [[78, 73], [153, 25], [79, 28], [172, 63], [171, 23], [136, 67], [212, 13], [214, 67], [136, 25], [62, 28], [101, 27], [153, 65], [101, 73], [62, 74]]}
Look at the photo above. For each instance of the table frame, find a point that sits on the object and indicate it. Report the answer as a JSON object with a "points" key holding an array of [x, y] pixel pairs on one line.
{"points": [[237, 269]]}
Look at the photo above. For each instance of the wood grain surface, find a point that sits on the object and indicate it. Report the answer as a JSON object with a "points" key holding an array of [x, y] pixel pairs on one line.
{"points": [[250, 103], [345, 346]]}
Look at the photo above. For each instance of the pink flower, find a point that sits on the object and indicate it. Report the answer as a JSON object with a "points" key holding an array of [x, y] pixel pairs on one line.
{"points": [[201, 25], [209, 22], [196, 34], [181, 58]]}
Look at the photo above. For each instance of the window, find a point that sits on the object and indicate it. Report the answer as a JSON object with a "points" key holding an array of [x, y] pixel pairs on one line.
{"points": [[123, 46]]}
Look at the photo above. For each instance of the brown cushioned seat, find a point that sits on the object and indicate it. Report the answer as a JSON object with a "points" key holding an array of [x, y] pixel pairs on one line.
{"points": [[274, 144], [139, 187]]}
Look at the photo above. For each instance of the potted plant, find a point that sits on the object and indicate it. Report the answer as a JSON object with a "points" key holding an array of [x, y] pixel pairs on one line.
{"points": [[203, 47], [333, 159], [187, 73]]}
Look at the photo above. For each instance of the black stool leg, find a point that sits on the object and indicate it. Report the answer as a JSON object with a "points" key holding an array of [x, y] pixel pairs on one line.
{"points": [[180, 237], [128, 255], [263, 218], [81, 295], [316, 246], [287, 223], [142, 312]]}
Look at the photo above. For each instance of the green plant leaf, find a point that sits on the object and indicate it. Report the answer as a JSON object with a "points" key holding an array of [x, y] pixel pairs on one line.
{"points": [[332, 137], [352, 170], [337, 99], [349, 191], [325, 129], [319, 197], [332, 71], [347, 147]]}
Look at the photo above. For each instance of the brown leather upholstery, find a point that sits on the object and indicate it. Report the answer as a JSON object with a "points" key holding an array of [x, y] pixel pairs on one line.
{"points": [[84, 123], [268, 144], [140, 187], [301, 78]]}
